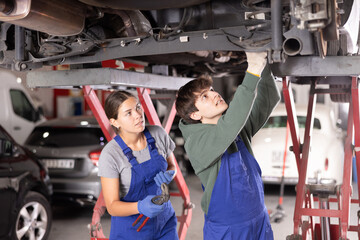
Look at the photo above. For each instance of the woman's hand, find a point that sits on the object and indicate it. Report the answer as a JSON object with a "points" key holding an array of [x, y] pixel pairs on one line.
{"points": [[164, 177], [148, 208]]}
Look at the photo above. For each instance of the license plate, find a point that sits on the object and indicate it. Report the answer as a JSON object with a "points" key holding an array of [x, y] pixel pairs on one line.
{"points": [[59, 163]]}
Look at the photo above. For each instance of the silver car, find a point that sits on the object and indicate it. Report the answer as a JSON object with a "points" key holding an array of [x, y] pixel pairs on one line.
{"points": [[70, 149]]}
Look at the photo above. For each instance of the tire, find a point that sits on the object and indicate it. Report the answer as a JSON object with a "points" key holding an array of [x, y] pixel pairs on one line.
{"points": [[39, 227]]}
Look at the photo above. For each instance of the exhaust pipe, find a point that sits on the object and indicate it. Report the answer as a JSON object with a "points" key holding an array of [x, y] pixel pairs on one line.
{"points": [[6, 6], [85, 201], [292, 46], [60, 18]]}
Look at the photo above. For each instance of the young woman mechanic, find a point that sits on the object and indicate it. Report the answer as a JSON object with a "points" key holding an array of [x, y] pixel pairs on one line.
{"points": [[132, 168], [217, 140]]}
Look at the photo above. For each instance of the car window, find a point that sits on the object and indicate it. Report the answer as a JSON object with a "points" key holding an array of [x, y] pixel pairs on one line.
{"points": [[280, 122], [3, 135], [21, 105], [65, 137]]}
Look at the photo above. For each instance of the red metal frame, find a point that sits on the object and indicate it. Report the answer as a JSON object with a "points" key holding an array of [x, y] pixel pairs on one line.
{"points": [[91, 98], [356, 114], [303, 197], [292, 119]]}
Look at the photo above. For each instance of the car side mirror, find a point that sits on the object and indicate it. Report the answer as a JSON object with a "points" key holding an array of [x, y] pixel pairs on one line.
{"points": [[40, 110], [341, 125], [6, 148], [37, 114]]}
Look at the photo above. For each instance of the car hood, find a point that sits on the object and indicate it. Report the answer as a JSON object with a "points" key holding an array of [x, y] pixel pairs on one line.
{"points": [[269, 145]]}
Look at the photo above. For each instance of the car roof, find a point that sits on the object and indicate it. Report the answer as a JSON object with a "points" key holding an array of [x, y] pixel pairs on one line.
{"points": [[320, 110], [76, 121], [9, 80]]}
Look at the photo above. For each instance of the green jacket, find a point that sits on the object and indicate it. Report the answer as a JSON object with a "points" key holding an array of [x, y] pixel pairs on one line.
{"points": [[247, 113]]}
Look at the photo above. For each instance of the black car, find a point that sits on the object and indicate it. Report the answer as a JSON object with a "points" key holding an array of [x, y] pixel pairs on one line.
{"points": [[25, 193]]}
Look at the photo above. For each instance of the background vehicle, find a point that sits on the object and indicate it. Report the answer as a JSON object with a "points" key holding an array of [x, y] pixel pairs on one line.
{"points": [[25, 192], [191, 36], [327, 151], [18, 114], [70, 148]]}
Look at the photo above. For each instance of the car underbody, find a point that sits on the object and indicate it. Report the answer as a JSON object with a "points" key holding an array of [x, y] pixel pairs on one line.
{"points": [[192, 37]]}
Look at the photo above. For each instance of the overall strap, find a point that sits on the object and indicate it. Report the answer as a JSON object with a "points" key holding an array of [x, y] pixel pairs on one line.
{"points": [[126, 150], [150, 140], [233, 148], [238, 139]]}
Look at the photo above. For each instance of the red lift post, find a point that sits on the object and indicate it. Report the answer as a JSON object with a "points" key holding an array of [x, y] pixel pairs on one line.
{"points": [[307, 193], [96, 232]]}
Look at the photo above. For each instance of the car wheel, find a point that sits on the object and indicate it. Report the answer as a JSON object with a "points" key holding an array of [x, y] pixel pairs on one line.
{"points": [[34, 217]]}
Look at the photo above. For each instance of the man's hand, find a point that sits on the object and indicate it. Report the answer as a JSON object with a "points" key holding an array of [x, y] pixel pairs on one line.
{"points": [[256, 62]]}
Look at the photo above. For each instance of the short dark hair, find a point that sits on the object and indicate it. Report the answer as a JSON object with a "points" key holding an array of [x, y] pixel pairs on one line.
{"points": [[187, 95], [114, 101]]}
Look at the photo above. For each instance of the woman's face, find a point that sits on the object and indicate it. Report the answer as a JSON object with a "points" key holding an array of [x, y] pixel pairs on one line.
{"points": [[130, 117]]}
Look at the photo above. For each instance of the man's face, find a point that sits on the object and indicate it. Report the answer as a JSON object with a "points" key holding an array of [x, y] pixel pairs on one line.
{"points": [[210, 105]]}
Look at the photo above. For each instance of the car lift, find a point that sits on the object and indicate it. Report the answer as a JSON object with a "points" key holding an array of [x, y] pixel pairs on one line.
{"points": [[312, 67], [114, 77], [307, 194]]}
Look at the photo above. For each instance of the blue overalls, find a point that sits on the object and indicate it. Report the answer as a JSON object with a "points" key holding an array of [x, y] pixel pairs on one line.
{"points": [[142, 184], [237, 209]]}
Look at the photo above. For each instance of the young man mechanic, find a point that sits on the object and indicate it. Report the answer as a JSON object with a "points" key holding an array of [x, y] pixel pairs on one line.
{"points": [[217, 140]]}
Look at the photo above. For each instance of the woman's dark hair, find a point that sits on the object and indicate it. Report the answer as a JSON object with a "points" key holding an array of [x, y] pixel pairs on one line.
{"points": [[187, 95], [114, 101]]}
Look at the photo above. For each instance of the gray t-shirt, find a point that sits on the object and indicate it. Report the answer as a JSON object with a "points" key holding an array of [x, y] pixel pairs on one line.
{"points": [[114, 164]]}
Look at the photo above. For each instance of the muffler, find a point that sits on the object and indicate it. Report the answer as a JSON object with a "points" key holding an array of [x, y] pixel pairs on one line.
{"points": [[59, 18]]}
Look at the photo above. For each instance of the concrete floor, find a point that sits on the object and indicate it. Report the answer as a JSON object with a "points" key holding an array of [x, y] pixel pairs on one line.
{"points": [[71, 223]]}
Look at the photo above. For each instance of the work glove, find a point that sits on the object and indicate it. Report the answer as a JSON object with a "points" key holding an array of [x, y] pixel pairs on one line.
{"points": [[164, 177], [148, 208], [256, 62]]}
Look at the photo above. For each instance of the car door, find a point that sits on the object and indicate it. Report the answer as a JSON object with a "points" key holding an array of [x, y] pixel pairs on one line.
{"points": [[7, 193], [24, 115]]}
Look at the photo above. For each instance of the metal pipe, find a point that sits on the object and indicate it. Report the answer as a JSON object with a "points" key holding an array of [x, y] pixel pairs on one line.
{"points": [[276, 31], [126, 19], [6, 6], [324, 221], [276, 26], [292, 46], [19, 43], [60, 18]]}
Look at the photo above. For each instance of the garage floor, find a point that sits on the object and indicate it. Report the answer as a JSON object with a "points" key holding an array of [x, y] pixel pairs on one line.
{"points": [[72, 222]]}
